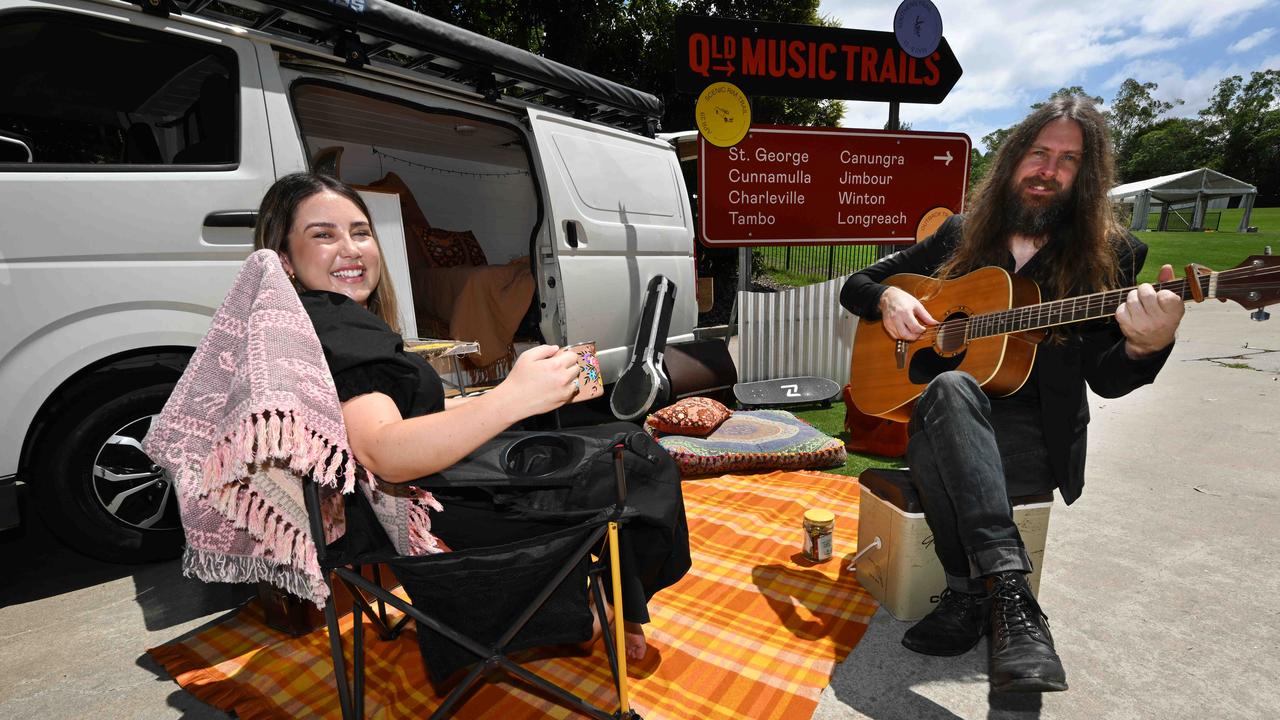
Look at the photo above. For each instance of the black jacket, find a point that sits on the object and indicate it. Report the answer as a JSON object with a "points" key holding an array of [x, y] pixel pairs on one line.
{"points": [[1093, 352]]}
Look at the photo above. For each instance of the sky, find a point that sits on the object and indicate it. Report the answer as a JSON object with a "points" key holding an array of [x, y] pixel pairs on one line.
{"points": [[1016, 52]]}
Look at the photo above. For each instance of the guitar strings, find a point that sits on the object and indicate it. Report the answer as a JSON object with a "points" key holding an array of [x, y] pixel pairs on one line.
{"points": [[1095, 305]]}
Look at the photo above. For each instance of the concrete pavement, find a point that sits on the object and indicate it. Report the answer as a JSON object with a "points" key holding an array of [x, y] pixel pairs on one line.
{"points": [[1160, 581]]}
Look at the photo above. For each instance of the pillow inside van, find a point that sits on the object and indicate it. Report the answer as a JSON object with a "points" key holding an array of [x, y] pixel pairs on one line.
{"points": [[451, 248]]}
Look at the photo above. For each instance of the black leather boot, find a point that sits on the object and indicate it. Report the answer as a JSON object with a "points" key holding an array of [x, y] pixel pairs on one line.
{"points": [[952, 628], [1022, 654]]}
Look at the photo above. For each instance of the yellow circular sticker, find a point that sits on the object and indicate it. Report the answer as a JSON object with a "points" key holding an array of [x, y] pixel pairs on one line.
{"points": [[931, 221], [723, 114]]}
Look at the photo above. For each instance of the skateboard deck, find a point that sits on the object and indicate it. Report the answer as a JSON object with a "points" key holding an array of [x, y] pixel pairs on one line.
{"points": [[786, 391]]}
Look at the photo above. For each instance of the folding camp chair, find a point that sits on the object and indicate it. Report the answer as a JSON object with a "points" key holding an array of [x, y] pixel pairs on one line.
{"points": [[533, 592]]}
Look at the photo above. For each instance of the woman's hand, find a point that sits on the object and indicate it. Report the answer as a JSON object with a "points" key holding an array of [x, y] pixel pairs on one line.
{"points": [[541, 380], [903, 316], [398, 449]]}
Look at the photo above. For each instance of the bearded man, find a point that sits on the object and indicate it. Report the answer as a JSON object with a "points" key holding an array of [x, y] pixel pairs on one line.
{"points": [[1041, 213]]}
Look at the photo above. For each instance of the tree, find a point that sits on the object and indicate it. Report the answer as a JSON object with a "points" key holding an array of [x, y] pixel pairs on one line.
{"points": [[1171, 146], [994, 139], [1068, 92], [764, 110], [632, 42], [1242, 126], [1133, 112], [979, 164]]}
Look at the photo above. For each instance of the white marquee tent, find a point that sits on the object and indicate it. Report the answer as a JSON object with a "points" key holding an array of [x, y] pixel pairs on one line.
{"points": [[1193, 186]]}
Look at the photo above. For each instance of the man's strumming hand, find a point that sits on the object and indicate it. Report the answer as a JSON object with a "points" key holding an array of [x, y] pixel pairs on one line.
{"points": [[903, 315]]}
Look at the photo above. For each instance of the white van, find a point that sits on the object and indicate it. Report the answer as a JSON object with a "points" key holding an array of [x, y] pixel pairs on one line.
{"points": [[136, 145]]}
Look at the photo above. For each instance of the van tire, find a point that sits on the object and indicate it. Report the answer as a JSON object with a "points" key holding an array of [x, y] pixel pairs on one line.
{"points": [[76, 503]]}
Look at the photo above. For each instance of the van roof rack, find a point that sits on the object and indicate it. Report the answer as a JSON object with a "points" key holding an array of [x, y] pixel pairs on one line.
{"points": [[383, 34]]}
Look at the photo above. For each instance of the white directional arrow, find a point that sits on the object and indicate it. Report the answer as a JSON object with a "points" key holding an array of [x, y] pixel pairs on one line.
{"points": [[946, 157]]}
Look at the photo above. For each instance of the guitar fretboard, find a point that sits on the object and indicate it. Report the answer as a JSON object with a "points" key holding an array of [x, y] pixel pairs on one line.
{"points": [[1062, 312]]}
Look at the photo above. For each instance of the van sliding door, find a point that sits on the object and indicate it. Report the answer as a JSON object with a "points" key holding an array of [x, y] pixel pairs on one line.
{"points": [[618, 214]]}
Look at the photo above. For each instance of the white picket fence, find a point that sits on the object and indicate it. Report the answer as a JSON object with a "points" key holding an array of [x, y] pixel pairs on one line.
{"points": [[801, 331]]}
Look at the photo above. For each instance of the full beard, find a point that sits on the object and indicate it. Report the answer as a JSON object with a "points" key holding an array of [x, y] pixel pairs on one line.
{"points": [[1035, 218]]}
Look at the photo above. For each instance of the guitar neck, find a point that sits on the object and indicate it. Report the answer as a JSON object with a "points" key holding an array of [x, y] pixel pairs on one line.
{"points": [[1073, 309]]}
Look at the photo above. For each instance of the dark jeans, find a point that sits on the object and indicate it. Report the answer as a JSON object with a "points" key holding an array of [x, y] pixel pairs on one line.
{"points": [[967, 459]]}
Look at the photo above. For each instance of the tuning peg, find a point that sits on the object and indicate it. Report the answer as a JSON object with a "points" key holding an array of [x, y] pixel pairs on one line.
{"points": [[1260, 314]]}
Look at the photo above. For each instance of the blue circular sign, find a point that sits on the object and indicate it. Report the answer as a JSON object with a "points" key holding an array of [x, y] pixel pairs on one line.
{"points": [[918, 27]]}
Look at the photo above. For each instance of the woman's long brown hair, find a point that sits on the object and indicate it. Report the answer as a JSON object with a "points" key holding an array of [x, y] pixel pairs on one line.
{"points": [[275, 217], [1077, 259]]}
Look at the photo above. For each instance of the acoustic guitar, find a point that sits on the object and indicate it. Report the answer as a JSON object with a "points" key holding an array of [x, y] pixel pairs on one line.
{"points": [[989, 323]]}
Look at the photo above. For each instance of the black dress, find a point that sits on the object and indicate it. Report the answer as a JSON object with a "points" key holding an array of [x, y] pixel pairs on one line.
{"points": [[365, 356]]}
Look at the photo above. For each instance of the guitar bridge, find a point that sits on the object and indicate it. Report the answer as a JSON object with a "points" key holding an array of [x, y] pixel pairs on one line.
{"points": [[900, 352]]}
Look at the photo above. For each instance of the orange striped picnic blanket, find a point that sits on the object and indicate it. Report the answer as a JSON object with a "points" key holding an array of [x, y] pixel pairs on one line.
{"points": [[750, 632]]}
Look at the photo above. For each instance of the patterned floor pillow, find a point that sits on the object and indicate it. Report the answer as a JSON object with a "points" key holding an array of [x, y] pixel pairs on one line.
{"points": [[754, 441]]}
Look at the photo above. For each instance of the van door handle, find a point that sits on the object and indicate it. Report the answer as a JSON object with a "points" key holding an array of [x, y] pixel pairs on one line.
{"points": [[571, 233], [231, 219]]}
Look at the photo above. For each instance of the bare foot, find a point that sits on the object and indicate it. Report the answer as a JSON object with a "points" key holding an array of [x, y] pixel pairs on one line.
{"points": [[633, 640]]}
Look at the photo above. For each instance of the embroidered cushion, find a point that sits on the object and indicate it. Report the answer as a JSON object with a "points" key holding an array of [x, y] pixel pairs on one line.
{"points": [[450, 248], [697, 416], [754, 441]]}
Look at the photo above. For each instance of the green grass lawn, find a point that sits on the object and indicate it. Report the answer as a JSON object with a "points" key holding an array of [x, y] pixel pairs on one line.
{"points": [[1218, 250]]}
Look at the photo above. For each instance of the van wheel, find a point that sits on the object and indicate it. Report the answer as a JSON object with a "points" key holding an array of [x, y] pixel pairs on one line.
{"points": [[95, 487]]}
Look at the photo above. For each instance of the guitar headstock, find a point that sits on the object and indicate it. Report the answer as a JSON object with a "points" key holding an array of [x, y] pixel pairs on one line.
{"points": [[1253, 283]]}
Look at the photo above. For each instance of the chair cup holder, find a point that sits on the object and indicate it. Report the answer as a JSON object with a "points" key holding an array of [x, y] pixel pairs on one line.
{"points": [[540, 455]]}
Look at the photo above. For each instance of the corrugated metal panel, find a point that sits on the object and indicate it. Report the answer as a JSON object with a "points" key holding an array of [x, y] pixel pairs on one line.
{"points": [[802, 331]]}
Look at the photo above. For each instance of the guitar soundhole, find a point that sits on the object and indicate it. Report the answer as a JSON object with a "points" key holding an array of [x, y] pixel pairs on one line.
{"points": [[951, 340], [926, 365]]}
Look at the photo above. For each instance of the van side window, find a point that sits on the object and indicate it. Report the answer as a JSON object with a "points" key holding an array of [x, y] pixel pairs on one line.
{"points": [[88, 92]]}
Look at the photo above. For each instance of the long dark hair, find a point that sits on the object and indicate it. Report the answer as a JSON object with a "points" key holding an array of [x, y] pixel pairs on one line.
{"points": [[276, 215], [1086, 263]]}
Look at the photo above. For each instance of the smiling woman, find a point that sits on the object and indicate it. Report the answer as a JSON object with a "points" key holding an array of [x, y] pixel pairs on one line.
{"points": [[400, 426], [321, 229], [331, 246]]}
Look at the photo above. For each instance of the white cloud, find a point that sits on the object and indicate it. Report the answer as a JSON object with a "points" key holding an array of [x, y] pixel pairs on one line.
{"points": [[1176, 83], [1016, 53], [1249, 42]]}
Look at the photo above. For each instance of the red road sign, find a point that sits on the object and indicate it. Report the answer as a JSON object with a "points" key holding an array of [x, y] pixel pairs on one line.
{"points": [[766, 58], [796, 186]]}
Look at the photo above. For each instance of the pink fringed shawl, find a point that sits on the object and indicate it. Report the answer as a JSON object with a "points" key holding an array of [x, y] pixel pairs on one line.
{"points": [[255, 411]]}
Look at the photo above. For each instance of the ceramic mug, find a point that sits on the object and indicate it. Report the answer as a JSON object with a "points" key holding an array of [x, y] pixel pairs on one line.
{"points": [[590, 379]]}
